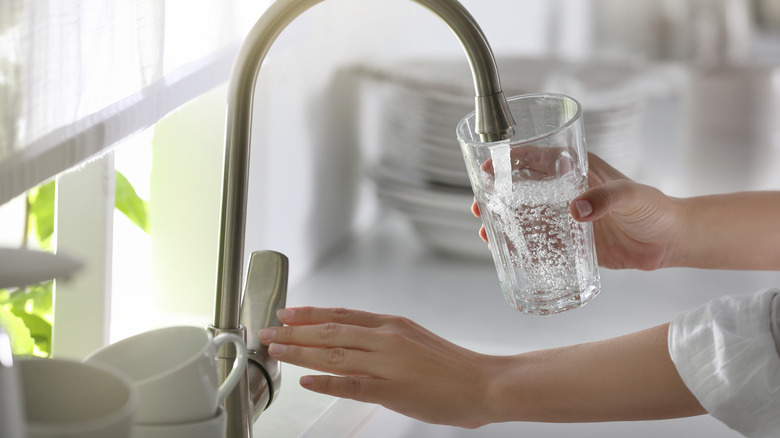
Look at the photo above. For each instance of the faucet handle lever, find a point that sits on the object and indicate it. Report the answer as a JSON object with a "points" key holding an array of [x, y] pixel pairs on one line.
{"points": [[265, 293]]}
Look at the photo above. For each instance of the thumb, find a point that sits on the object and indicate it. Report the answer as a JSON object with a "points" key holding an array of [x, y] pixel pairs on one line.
{"points": [[597, 202]]}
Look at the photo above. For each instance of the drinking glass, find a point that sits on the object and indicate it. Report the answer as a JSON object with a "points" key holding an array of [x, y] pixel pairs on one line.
{"points": [[546, 261]]}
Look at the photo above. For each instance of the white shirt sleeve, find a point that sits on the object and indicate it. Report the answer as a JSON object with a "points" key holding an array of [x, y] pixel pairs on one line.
{"points": [[728, 358]]}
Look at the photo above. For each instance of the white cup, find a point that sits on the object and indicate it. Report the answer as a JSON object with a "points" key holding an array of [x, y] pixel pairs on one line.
{"points": [[69, 399], [213, 427], [175, 372]]}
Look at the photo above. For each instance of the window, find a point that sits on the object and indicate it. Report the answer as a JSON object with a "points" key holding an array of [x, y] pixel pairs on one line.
{"points": [[76, 79]]}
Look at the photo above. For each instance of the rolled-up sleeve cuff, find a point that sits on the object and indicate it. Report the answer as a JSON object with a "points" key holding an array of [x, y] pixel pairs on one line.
{"points": [[726, 355]]}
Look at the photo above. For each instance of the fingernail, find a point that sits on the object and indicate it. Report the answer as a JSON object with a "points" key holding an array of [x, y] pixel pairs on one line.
{"points": [[284, 314], [583, 207], [307, 380], [277, 348], [267, 334]]}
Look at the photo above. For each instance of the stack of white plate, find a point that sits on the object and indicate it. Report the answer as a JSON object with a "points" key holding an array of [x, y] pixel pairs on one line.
{"points": [[419, 134], [421, 172], [440, 214]]}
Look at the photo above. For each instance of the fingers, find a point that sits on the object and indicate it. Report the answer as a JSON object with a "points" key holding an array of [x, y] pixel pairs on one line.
{"points": [[329, 334], [355, 388], [487, 166], [601, 172], [315, 341], [475, 212], [582, 208], [338, 360], [596, 203], [316, 315]]}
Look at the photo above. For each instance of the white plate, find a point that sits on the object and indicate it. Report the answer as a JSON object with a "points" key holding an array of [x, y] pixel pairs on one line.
{"points": [[22, 267]]}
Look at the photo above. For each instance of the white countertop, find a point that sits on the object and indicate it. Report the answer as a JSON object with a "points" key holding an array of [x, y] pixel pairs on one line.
{"points": [[388, 271]]}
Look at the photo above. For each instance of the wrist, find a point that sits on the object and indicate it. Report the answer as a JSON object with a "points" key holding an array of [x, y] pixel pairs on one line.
{"points": [[684, 232], [505, 390], [729, 231]]}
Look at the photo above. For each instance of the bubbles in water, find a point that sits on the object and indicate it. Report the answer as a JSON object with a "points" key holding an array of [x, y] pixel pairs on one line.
{"points": [[538, 236]]}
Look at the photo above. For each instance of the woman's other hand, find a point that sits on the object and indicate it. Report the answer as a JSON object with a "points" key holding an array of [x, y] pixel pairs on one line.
{"points": [[394, 362], [387, 360]]}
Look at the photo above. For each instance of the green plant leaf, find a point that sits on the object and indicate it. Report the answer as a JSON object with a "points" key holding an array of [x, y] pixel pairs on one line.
{"points": [[128, 202], [42, 296], [39, 293], [36, 300], [32, 308], [27, 313], [42, 213], [22, 343], [39, 330]]}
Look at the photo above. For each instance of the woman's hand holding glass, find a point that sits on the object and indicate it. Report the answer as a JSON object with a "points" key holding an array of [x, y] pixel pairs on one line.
{"points": [[634, 224]]}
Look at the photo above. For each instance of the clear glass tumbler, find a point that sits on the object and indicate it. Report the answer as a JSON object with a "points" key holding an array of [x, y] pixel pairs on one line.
{"points": [[546, 261]]}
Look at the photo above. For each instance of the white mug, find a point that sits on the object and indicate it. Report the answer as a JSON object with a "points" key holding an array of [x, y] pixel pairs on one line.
{"points": [[213, 427], [69, 399], [174, 370]]}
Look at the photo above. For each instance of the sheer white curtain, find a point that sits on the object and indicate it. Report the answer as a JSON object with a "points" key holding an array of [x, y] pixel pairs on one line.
{"points": [[78, 76]]}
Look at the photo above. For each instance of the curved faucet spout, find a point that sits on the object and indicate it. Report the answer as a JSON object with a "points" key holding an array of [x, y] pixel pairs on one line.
{"points": [[493, 118], [494, 123]]}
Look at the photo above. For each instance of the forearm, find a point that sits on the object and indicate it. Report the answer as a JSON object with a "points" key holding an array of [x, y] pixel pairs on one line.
{"points": [[731, 231], [626, 378]]}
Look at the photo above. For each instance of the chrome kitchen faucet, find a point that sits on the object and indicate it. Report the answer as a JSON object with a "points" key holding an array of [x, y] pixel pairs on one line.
{"points": [[266, 284]]}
